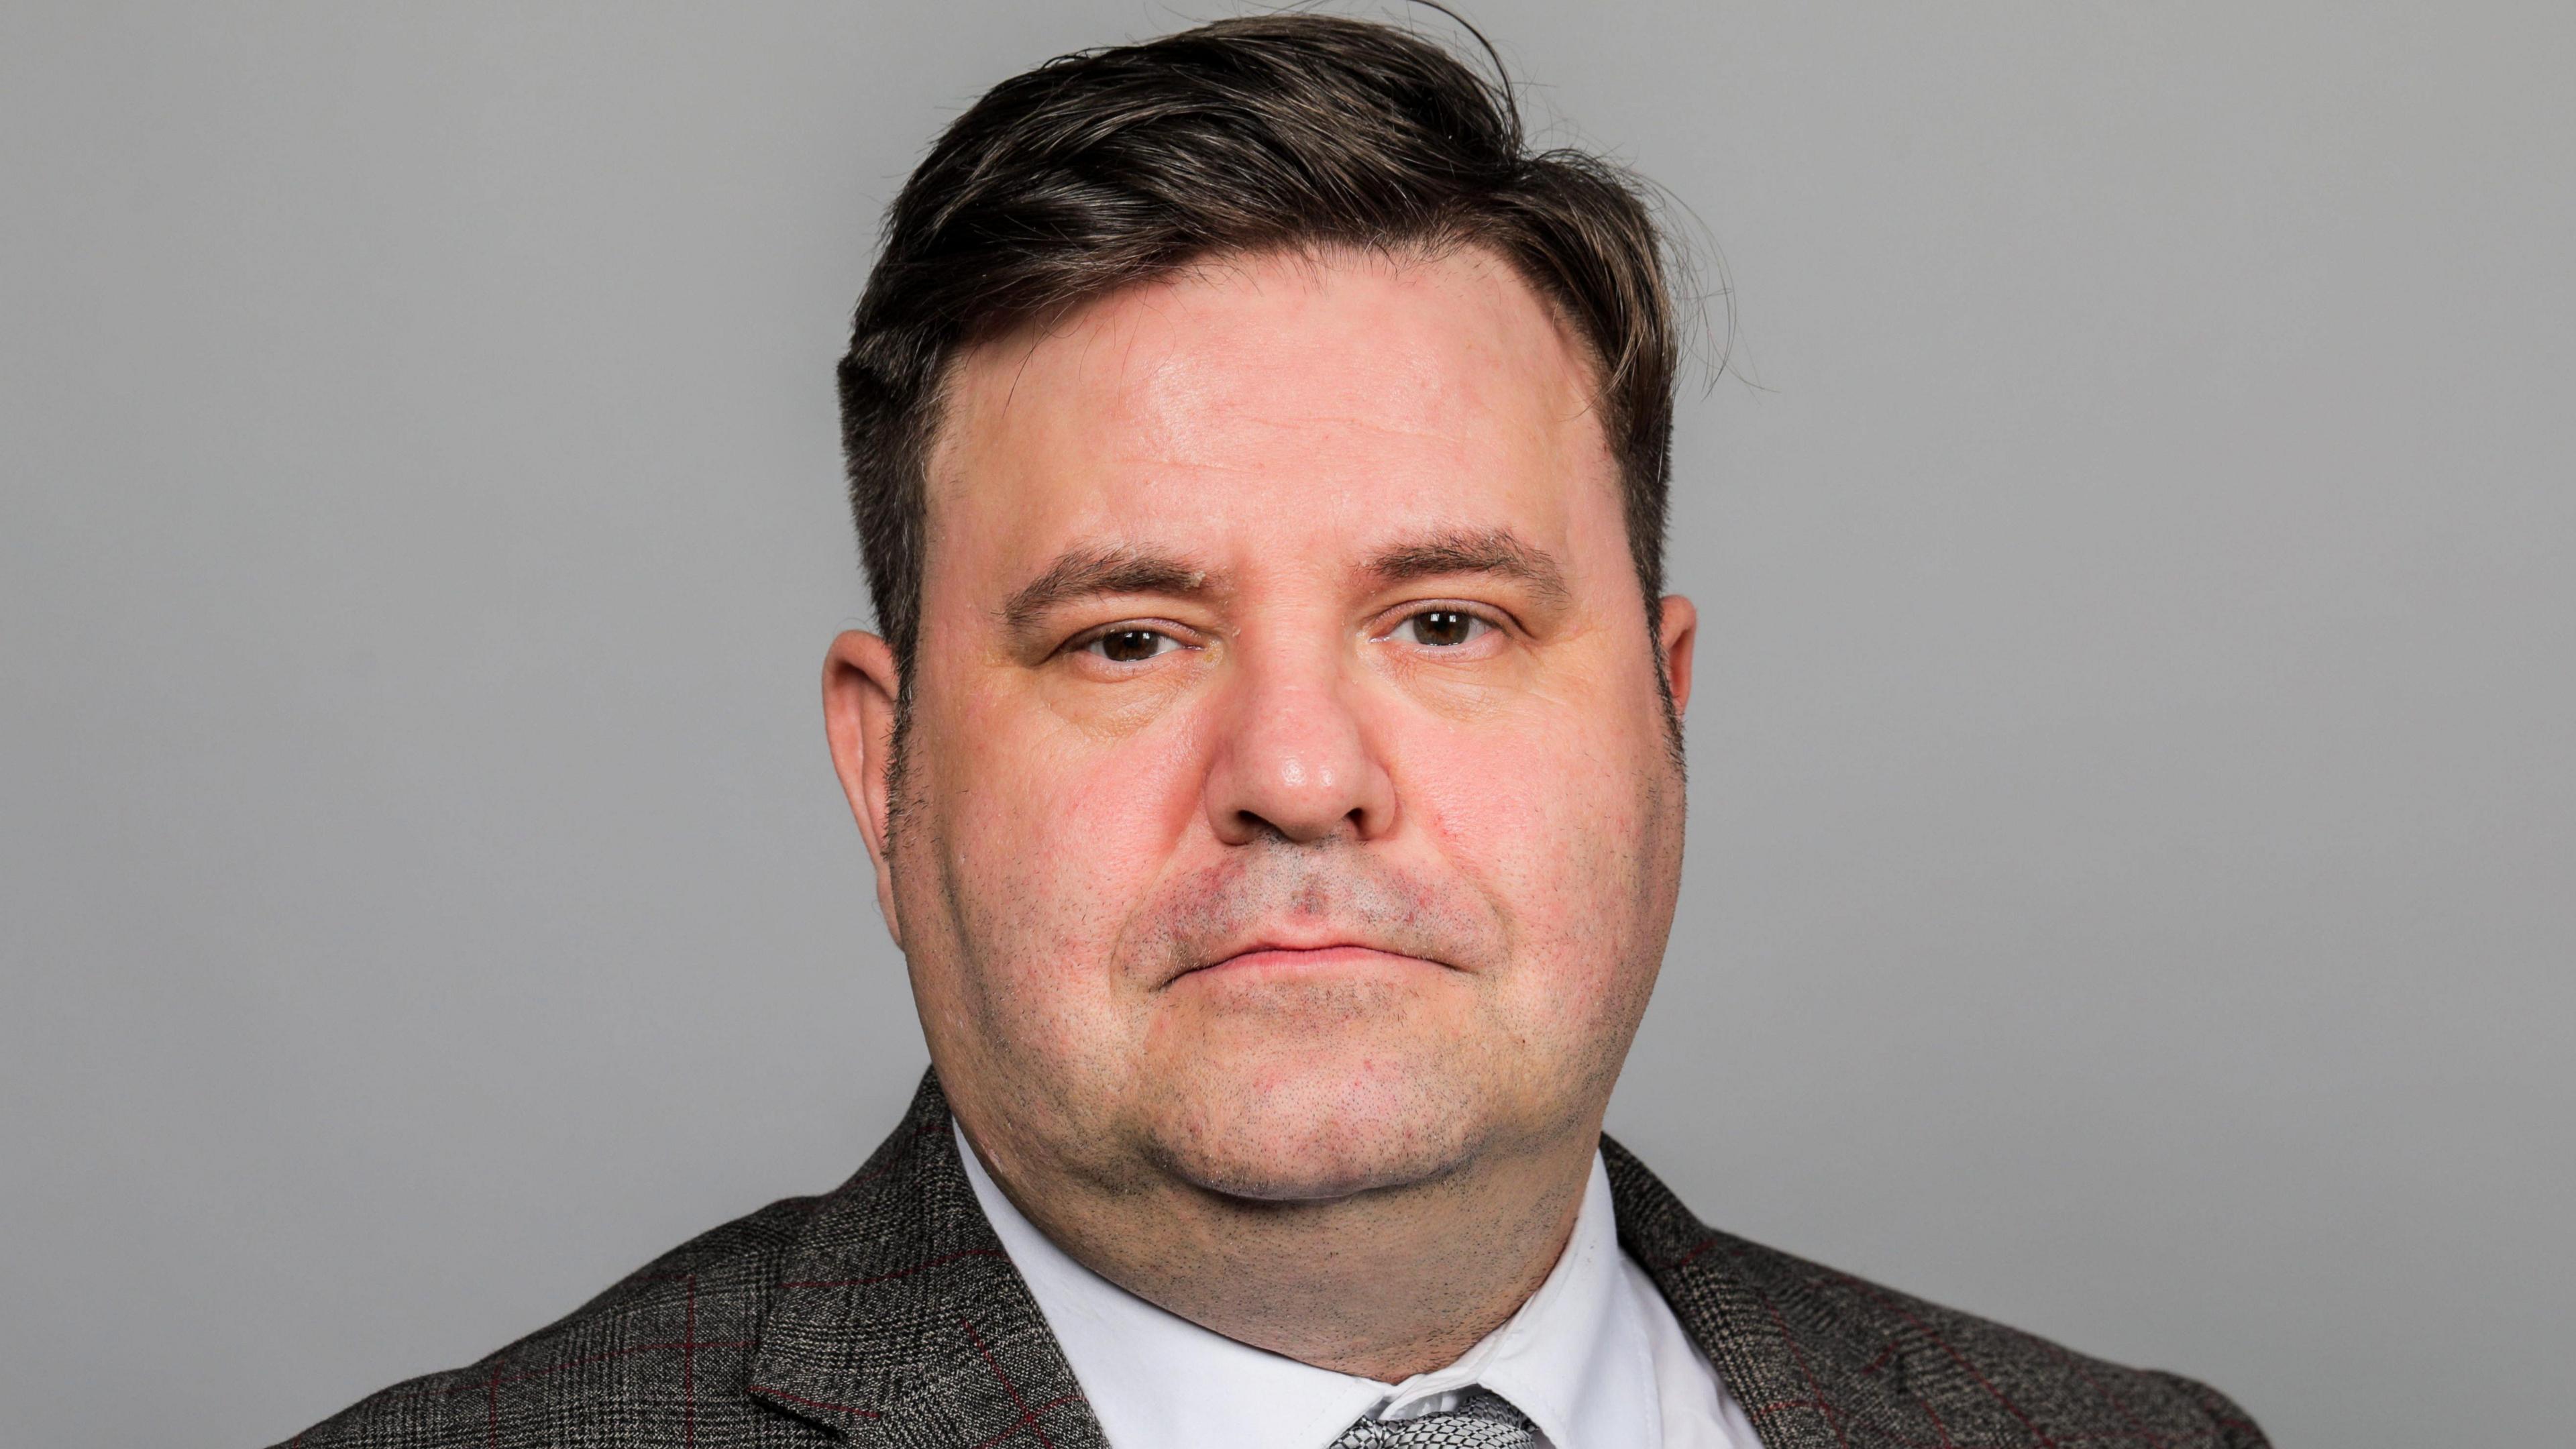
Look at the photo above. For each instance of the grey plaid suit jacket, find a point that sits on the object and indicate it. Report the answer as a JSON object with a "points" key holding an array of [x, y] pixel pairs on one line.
{"points": [[885, 1314]]}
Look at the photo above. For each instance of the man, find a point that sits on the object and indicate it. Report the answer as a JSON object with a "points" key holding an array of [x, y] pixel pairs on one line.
{"points": [[1270, 761]]}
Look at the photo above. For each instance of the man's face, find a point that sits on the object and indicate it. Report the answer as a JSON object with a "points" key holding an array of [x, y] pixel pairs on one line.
{"points": [[1286, 806]]}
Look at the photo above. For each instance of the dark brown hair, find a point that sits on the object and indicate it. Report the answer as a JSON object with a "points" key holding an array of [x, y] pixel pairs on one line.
{"points": [[1110, 167]]}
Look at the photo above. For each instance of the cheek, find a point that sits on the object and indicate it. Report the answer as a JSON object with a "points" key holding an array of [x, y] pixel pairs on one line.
{"points": [[1050, 837], [1558, 821]]}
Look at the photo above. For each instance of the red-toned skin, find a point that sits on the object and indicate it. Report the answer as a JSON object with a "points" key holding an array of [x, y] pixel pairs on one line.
{"points": [[1278, 953]]}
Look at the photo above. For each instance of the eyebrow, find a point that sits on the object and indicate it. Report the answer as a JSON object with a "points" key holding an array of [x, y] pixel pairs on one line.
{"points": [[1471, 551], [1086, 573], [1101, 571]]}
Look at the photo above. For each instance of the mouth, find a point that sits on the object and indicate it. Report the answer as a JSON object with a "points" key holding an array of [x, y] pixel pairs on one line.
{"points": [[1265, 960]]}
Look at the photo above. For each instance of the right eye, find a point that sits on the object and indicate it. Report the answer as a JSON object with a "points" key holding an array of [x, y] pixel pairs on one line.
{"points": [[1131, 646]]}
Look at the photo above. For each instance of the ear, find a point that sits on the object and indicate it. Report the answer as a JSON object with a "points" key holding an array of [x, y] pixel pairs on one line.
{"points": [[860, 687], [1676, 631]]}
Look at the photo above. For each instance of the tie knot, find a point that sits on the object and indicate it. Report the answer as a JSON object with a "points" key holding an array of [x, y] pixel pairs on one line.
{"points": [[1483, 1419]]}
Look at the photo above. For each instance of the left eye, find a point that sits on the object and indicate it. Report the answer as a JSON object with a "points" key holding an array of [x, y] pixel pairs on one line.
{"points": [[1132, 646], [1442, 628]]}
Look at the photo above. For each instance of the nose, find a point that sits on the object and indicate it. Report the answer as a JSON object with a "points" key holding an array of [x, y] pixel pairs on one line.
{"points": [[1293, 758]]}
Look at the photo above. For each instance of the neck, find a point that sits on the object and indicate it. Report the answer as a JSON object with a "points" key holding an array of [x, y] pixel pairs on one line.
{"points": [[1383, 1284]]}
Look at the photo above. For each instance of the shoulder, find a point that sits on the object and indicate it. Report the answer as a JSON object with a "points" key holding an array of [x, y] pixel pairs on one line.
{"points": [[1817, 1355], [637, 1353], [779, 1328], [1969, 1378]]}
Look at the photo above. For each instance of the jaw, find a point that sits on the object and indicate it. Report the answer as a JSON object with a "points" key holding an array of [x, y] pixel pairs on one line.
{"points": [[1365, 1170], [1317, 1091]]}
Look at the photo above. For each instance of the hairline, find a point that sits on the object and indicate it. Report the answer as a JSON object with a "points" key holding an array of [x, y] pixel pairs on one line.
{"points": [[933, 433]]}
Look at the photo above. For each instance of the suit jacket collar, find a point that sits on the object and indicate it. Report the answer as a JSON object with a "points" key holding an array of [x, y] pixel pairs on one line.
{"points": [[899, 1321], [1813, 1355]]}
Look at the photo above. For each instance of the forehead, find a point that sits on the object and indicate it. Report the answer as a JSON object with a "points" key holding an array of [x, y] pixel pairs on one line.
{"points": [[1273, 402]]}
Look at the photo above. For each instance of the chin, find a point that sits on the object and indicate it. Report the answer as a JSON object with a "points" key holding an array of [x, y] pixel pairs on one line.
{"points": [[1318, 1131]]}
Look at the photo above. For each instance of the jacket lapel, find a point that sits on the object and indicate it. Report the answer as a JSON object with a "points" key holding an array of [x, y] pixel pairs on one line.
{"points": [[1808, 1373], [900, 1322]]}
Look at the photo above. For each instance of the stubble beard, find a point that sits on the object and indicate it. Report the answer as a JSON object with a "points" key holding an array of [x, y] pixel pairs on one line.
{"points": [[1238, 1124]]}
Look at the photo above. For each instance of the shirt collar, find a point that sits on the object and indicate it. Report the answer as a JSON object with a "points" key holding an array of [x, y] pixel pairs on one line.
{"points": [[1580, 1368]]}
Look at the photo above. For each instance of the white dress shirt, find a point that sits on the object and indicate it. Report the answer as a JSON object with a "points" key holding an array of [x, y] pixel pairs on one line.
{"points": [[1595, 1358]]}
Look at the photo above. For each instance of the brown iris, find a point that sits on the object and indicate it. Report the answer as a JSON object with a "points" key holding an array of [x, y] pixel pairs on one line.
{"points": [[1441, 628], [1130, 646]]}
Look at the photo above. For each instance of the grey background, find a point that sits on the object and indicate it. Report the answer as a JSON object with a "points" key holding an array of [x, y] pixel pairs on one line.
{"points": [[2134, 822]]}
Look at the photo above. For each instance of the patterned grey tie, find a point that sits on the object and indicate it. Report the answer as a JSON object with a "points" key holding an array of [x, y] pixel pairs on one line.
{"points": [[1482, 1420]]}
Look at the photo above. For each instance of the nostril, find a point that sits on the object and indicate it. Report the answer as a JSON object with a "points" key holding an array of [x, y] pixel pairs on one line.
{"points": [[1298, 769]]}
